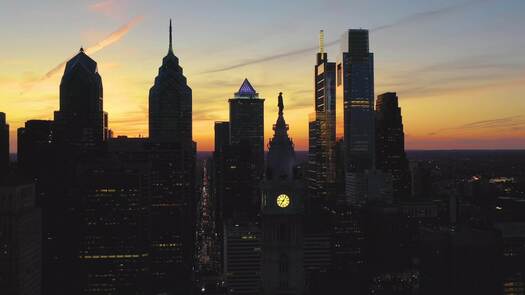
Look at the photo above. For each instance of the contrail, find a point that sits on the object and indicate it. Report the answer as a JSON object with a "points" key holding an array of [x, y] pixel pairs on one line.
{"points": [[405, 20], [110, 39]]}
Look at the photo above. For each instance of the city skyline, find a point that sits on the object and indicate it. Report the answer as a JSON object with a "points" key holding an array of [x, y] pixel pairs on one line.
{"points": [[470, 74]]}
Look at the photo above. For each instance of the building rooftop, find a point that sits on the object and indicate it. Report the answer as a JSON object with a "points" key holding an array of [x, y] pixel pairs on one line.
{"points": [[246, 90]]}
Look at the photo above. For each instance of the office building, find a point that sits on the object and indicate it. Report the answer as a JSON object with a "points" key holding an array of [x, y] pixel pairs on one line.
{"points": [[4, 145], [79, 123], [20, 239], [355, 93], [321, 148], [170, 102], [390, 144]]}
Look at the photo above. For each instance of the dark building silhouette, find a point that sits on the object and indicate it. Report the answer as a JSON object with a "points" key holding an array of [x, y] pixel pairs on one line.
{"points": [[4, 145], [80, 122], [247, 123], [170, 102], [239, 156], [172, 154], [35, 144], [242, 258], [221, 151], [390, 144], [114, 230], [460, 261], [321, 147], [355, 92], [20, 239], [282, 210], [77, 134]]}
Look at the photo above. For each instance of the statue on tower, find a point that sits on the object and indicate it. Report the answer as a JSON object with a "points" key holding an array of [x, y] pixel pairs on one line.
{"points": [[280, 104]]}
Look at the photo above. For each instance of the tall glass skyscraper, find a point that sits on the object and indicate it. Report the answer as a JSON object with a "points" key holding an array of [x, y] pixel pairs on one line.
{"points": [[321, 150], [355, 92]]}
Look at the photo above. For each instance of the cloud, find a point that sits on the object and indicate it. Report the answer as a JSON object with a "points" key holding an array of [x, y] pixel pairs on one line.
{"points": [[110, 8], [107, 41], [511, 122], [413, 18], [425, 15]]}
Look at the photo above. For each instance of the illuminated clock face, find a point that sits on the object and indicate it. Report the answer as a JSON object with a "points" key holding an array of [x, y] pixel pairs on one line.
{"points": [[283, 200]]}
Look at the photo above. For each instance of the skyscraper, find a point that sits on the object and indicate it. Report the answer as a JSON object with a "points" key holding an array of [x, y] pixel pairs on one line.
{"points": [[247, 123], [355, 92], [171, 151], [170, 102], [321, 150], [390, 144], [282, 212], [4, 145], [34, 147], [113, 248], [80, 120], [78, 131], [239, 155], [20, 239]]}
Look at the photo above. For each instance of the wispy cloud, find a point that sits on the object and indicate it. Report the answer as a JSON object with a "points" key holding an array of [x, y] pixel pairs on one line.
{"points": [[413, 18], [510, 122], [107, 41], [110, 8]]}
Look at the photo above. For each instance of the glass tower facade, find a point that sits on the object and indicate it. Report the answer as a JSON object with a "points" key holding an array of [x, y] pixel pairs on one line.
{"points": [[321, 150], [355, 92]]}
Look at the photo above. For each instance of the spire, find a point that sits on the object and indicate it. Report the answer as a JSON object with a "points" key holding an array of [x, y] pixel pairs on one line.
{"points": [[321, 41], [171, 42], [81, 48]]}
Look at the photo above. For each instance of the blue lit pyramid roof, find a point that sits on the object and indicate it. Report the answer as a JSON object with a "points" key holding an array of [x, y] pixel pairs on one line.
{"points": [[246, 89]]}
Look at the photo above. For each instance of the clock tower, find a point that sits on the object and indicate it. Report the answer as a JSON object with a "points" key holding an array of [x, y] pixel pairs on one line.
{"points": [[282, 208]]}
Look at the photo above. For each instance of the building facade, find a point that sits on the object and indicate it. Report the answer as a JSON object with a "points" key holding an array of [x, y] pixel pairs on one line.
{"points": [[172, 152], [390, 144], [321, 149], [80, 122], [4, 145], [20, 240], [355, 93]]}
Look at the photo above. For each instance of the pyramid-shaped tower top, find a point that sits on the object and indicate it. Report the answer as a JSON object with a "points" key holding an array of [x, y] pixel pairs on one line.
{"points": [[246, 90]]}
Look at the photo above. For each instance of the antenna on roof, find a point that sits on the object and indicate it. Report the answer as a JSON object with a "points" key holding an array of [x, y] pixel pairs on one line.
{"points": [[321, 41]]}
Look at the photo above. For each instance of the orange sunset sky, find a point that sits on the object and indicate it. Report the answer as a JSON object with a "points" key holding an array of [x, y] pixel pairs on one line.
{"points": [[458, 66]]}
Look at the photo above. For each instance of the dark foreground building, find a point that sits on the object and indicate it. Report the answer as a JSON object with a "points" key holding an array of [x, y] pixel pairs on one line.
{"points": [[114, 249], [4, 145], [20, 239], [171, 151], [390, 144]]}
